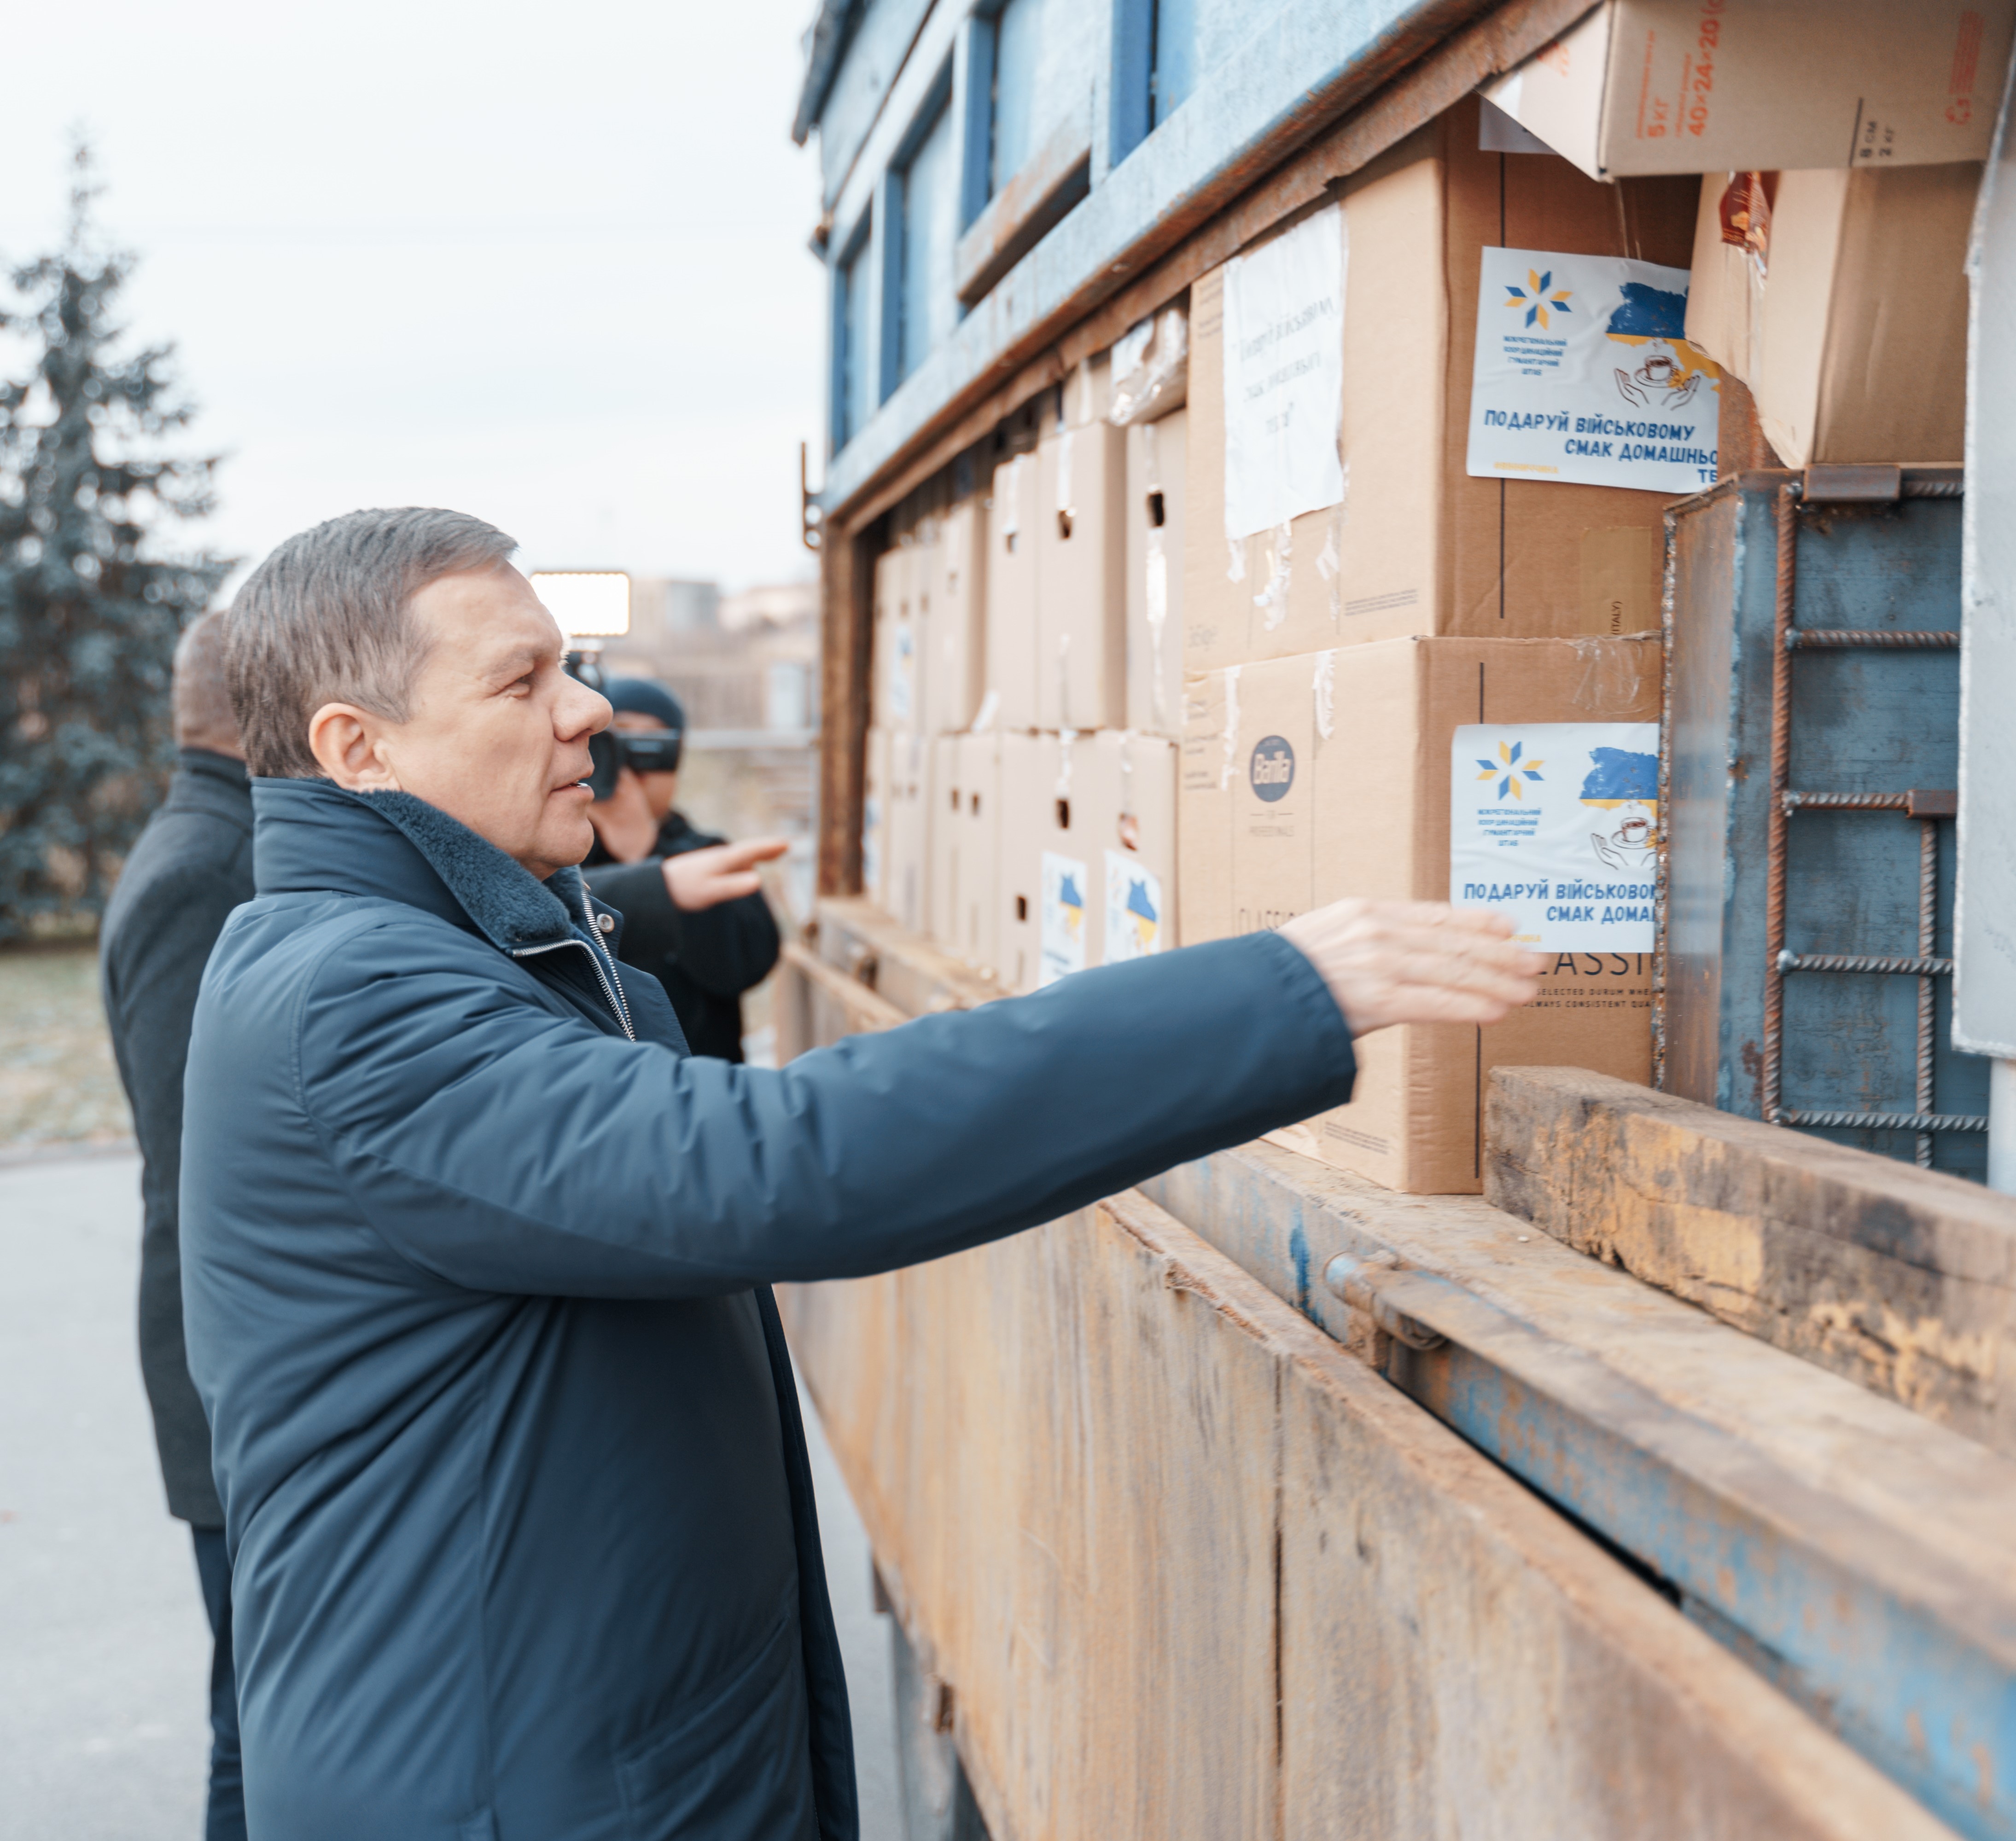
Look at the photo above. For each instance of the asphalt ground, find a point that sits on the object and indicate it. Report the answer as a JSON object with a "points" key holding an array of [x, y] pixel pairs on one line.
{"points": [[104, 1652]]}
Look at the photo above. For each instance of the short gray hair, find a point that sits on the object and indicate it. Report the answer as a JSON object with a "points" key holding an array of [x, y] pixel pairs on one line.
{"points": [[326, 619]]}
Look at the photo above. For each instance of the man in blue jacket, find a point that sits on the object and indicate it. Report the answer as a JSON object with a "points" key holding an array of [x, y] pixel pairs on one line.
{"points": [[477, 1257]]}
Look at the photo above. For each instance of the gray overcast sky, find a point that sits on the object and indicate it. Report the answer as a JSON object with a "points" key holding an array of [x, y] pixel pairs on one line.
{"points": [[546, 264]]}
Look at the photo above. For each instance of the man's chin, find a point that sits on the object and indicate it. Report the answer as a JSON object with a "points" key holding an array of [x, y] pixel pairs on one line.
{"points": [[564, 840]]}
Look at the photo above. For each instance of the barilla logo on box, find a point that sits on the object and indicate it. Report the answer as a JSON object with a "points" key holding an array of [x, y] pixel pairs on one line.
{"points": [[1272, 769]]}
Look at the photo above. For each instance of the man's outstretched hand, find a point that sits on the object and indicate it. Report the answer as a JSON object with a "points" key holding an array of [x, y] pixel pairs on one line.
{"points": [[1415, 961], [697, 879]]}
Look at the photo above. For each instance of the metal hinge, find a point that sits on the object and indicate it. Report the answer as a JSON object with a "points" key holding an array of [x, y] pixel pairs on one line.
{"points": [[1357, 1281]]}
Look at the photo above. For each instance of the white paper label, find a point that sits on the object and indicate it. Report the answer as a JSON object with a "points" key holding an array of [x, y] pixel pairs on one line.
{"points": [[902, 673], [1134, 909], [1582, 376], [1556, 825], [871, 844], [1062, 929], [1284, 376]]}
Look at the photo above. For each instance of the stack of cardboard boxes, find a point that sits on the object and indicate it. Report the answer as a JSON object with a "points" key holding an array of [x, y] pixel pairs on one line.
{"points": [[1085, 687], [1339, 662], [1021, 804], [1371, 607], [929, 669]]}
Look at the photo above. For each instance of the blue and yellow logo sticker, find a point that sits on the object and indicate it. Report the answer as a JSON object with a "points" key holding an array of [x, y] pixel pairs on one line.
{"points": [[1512, 773], [1543, 299]]}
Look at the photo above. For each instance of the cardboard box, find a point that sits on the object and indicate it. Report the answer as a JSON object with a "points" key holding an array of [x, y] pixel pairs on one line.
{"points": [[970, 926], [1687, 86], [1157, 470], [1088, 852], [1028, 790], [1417, 546], [1010, 590], [1797, 282], [908, 812], [898, 676], [875, 819], [1080, 570], [1309, 779], [946, 835], [955, 618]]}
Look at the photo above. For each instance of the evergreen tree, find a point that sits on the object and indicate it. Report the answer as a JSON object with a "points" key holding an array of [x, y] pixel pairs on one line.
{"points": [[90, 608]]}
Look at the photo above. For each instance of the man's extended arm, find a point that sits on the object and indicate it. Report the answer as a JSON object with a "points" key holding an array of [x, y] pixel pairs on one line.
{"points": [[551, 1159]]}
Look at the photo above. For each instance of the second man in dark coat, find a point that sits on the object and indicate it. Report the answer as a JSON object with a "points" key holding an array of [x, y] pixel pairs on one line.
{"points": [[191, 866], [693, 912]]}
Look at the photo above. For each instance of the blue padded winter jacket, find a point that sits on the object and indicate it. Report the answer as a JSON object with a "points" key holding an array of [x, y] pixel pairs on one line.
{"points": [[476, 1262]]}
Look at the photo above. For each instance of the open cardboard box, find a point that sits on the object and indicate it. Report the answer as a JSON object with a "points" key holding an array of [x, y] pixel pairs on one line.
{"points": [[1690, 86], [1840, 297]]}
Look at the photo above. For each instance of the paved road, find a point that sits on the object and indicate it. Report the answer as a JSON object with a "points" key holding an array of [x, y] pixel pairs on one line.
{"points": [[103, 1648]]}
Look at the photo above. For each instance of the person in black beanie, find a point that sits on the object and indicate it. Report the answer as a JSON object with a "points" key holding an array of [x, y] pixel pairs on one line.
{"points": [[692, 907]]}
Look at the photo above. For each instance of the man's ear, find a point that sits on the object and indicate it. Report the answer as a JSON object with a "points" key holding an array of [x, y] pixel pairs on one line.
{"points": [[347, 745]]}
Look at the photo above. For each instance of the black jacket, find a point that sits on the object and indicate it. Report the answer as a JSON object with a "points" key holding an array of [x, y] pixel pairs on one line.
{"points": [[477, 1280], [705, 960], [191, 866]]}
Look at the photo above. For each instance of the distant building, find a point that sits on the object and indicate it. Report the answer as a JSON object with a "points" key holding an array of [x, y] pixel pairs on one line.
{"points": [[744, 665]]}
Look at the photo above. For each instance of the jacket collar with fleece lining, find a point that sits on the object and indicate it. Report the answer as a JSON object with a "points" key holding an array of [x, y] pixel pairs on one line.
{"points": [[311, 836]]}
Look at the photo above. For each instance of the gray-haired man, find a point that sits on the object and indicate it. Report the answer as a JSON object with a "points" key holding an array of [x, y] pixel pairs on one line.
{"points": [[479, 1258]]}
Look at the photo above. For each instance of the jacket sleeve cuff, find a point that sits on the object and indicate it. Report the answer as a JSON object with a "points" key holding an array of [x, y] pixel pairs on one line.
{"points": [[1326, 1015]]}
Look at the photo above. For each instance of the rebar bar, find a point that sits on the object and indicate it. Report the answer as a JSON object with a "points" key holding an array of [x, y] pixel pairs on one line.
{"points": [[1845, 802], [1923, 966], [1772, 1074], [1884, 1121], [1929, 915], [1846, 638]]}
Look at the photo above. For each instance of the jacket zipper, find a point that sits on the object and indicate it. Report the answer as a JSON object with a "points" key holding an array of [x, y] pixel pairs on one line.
{"points": [[609, 988]]}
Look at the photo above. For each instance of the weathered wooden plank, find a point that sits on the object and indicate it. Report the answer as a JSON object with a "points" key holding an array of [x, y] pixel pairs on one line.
{"points": [[1212, 1577], [1900, 1279], [1857, 1551], [864, 1008], [1829, 1535], [846, 563]]}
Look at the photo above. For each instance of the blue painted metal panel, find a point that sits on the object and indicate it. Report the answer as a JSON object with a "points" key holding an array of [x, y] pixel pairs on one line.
{"points": [[1262, 69], [1863, 721]]}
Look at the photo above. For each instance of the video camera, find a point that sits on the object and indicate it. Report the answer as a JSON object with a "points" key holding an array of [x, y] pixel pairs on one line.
{"points": [[612, 750]]}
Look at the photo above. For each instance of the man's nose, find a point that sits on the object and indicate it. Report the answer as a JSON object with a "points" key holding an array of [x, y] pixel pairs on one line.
{"points": [[581, 712]]}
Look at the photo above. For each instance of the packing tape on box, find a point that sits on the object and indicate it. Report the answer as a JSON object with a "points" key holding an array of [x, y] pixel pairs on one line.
{"points": [[1323, 687], [1273, 600], [1065, 508], [1155, 594], [1231, 733], [1065, 738], [1329, 558]]}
